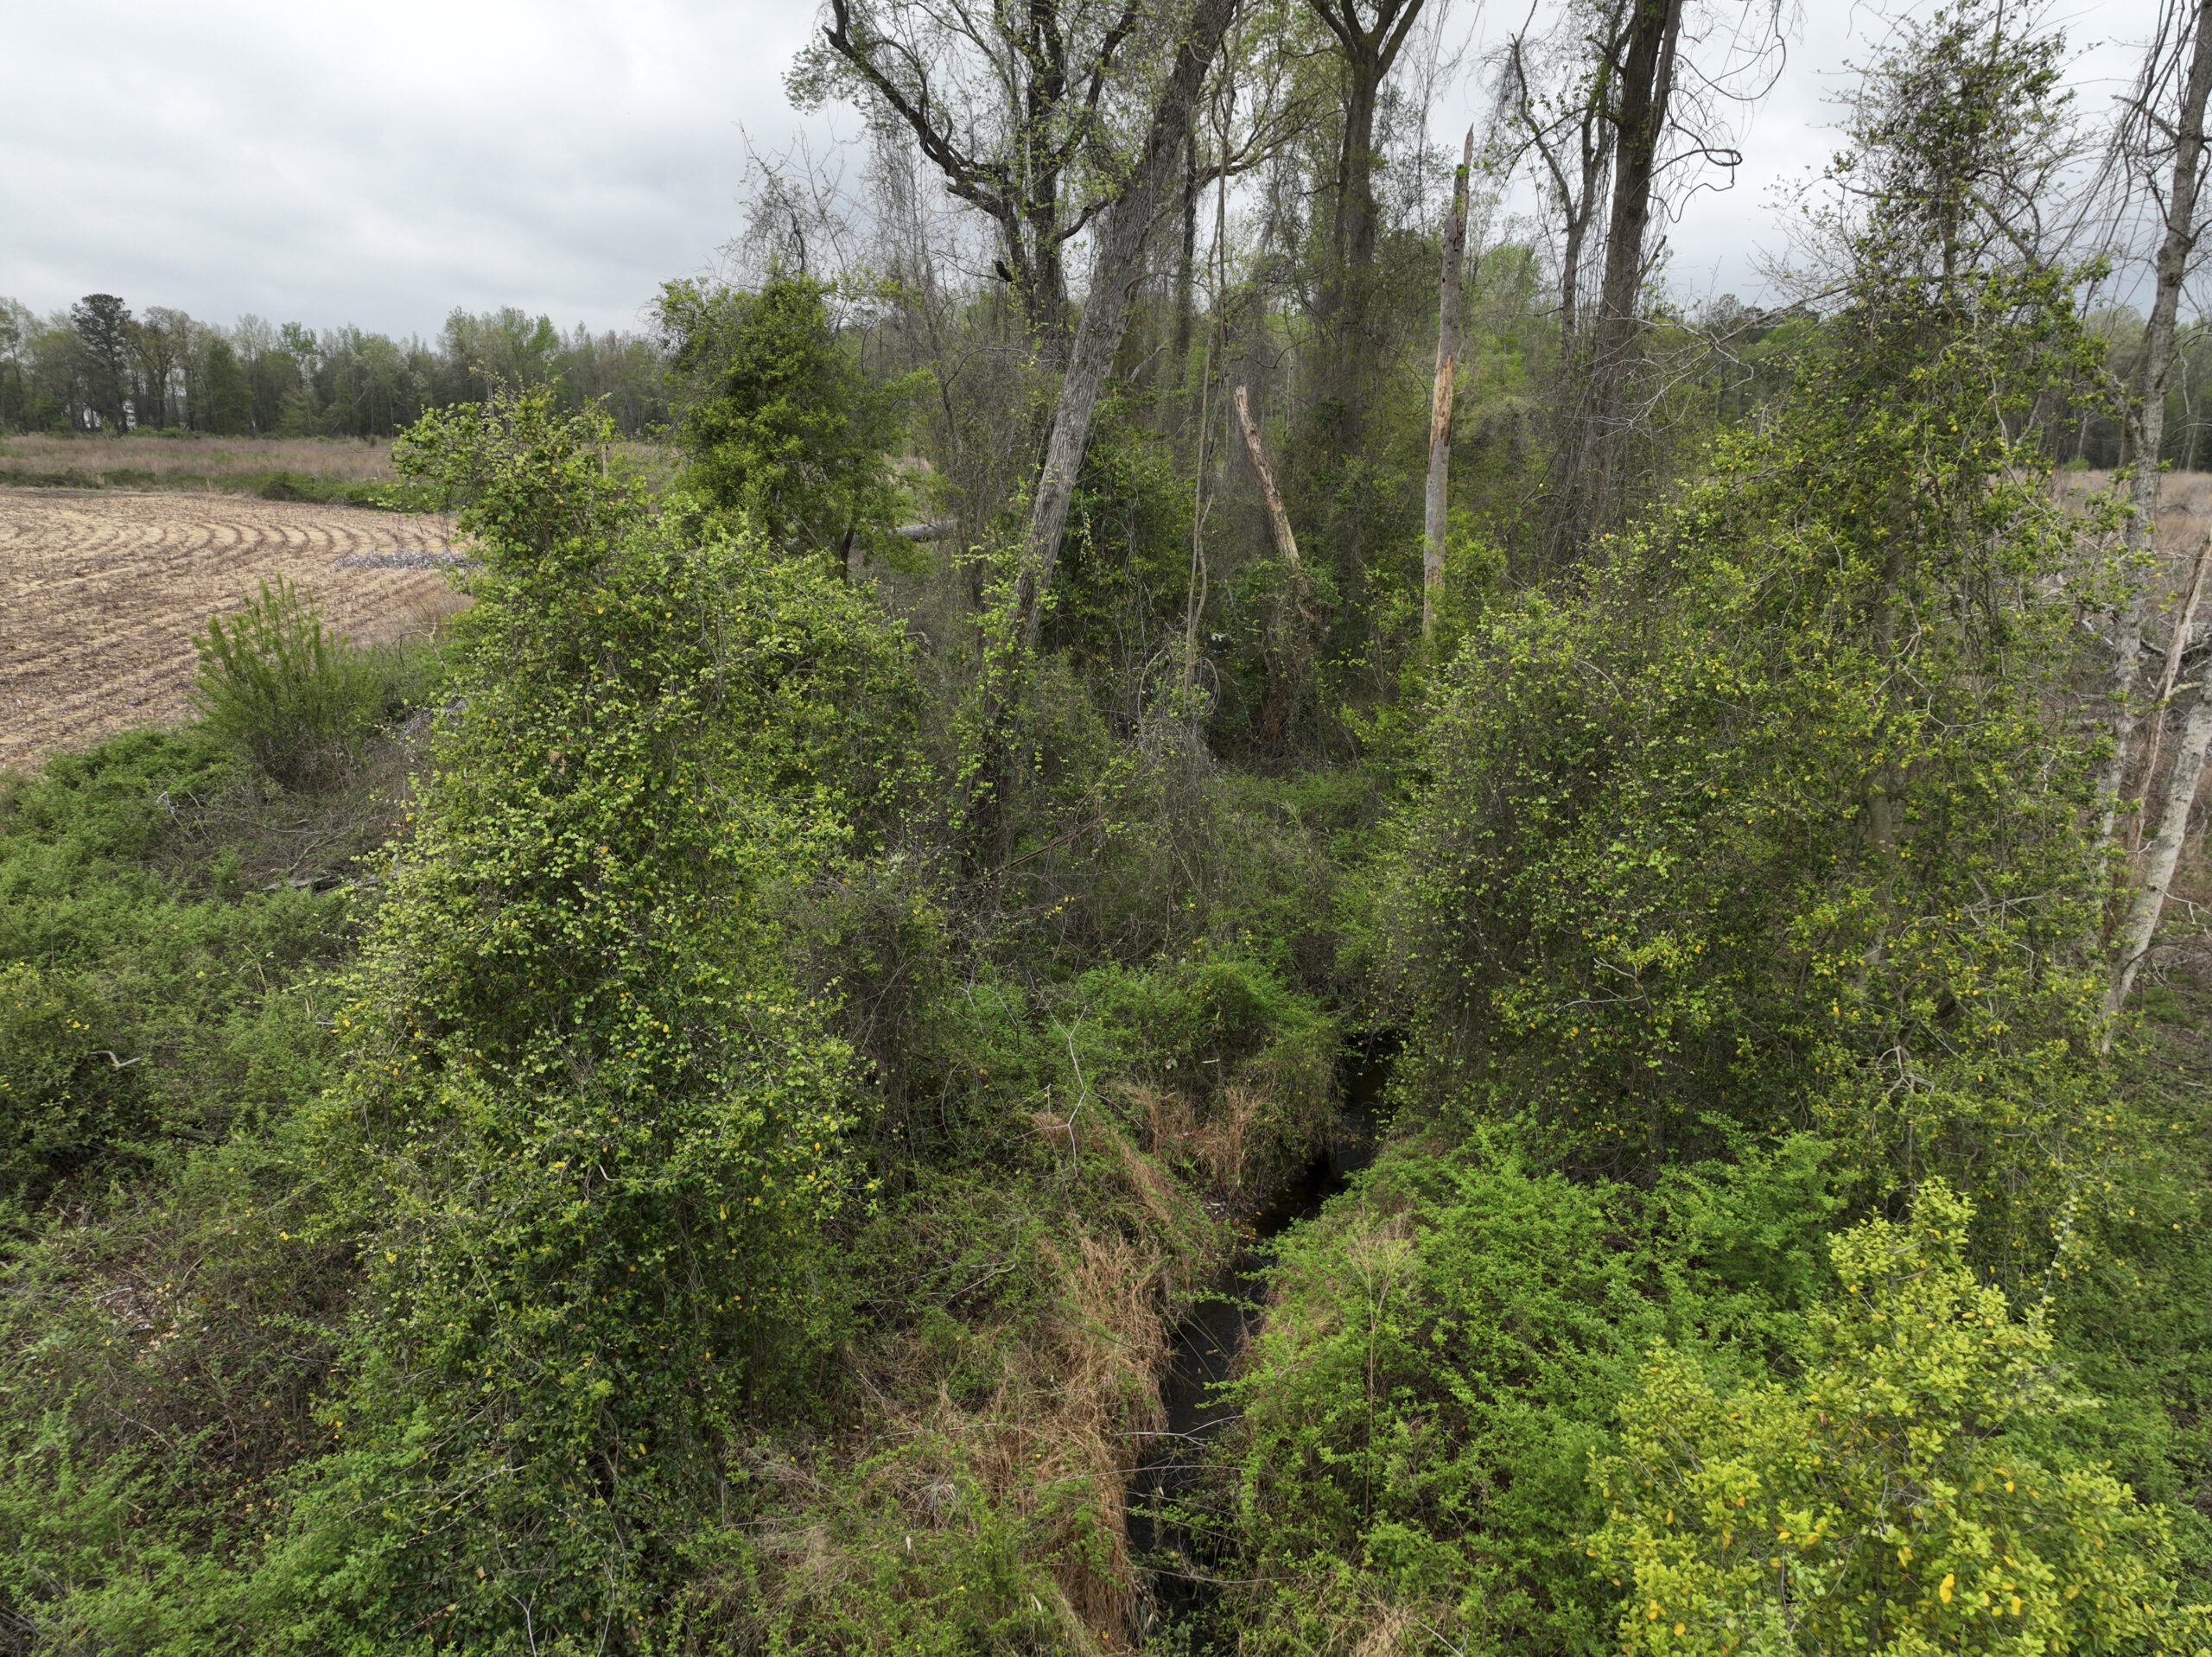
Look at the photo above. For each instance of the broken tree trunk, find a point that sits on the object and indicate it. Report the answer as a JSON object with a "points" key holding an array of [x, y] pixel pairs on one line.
{"points": [[1449, 286], [1278, 518], [1283, 677]]}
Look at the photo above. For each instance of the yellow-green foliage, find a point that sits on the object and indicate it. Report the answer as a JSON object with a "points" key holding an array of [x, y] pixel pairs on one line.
{"points": [[1442, 1354], [164, 1016], [150, 983], [593, 1130], [1906, 1494], [777, 416], [1774, 817]]}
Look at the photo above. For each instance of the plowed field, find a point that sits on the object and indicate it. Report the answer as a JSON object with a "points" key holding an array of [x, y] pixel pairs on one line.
{"points": [[101, 596]]}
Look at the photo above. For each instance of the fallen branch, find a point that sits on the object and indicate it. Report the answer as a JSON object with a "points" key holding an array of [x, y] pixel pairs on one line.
{"points": [[1278, 517]]}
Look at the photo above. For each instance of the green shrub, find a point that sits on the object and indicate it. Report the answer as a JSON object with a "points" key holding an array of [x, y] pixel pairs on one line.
{"points": [[1235, 1071], [961, 1579], [1438, 1364], [63, 1097], [1696, 852], [593, 1131], [160, 932], [272, 681], [779, 418], [1904, 1494], [159, 1365], [1444, 1352]]}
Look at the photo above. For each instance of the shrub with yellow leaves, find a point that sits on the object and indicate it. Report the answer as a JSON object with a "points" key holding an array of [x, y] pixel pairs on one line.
{"points": [[1905, 1493]]}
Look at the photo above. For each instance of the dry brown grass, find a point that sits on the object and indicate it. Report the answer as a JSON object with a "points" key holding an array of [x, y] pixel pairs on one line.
{"points": [[148, 459], [100, 596], [2184, 507], [1040, 1408], [1051, 1440]]}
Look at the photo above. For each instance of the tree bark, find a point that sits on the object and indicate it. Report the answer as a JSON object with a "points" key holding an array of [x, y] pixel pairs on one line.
{"points": [[1105, 315], [2146, 428], [1576, 194], [1589, 482], [1285, 668], [1647, 87], [2176, 647], [1186, 269], [2149, 904], [1018, 177], [1449, 287]]}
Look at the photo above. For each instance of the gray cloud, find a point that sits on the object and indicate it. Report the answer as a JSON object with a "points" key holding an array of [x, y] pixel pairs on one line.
{"points": [[380, 164]]}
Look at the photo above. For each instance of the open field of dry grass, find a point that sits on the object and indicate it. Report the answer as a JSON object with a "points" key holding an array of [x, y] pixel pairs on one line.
{"points": [[2184, 506], [2184, 519], [148, 460], [101, 596], [349, 469]]}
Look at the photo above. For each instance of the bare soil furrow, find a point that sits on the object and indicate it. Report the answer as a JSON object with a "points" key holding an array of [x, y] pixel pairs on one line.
{"points": [[100, 596]]}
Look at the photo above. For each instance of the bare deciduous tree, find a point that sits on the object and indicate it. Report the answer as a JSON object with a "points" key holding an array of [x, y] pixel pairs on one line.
{"points": [[1119, 267], [1369, 47], [1607, 100], [1011, 105]]}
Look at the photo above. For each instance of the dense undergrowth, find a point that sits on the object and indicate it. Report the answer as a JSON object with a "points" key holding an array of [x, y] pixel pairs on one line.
{"points": [[688, 1118]]}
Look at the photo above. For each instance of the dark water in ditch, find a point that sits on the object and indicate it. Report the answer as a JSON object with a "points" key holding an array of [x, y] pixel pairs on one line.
{"points": [[1173, 1551]]}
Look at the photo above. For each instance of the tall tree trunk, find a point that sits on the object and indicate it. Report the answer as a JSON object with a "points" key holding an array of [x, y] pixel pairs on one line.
{"points": [[1449, 287], [1046, 303], [1278, 516], [2149, 903], [1647, 84], [1591, 489], [1353, 233], [1119, 267], [1292, 646], [1570, 275], [1343, 308], [1340, 312], [2146, 427], [1186, 269]]}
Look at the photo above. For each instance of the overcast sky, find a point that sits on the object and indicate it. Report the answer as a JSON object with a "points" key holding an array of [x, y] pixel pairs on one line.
{"points": [[380, 164]]}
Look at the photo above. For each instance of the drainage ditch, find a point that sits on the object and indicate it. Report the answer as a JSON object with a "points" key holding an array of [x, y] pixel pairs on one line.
{"points": [[1175, 1557]]}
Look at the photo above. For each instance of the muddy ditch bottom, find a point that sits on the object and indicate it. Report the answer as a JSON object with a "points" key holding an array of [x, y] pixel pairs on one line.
{"points": [[1174, 1561]]}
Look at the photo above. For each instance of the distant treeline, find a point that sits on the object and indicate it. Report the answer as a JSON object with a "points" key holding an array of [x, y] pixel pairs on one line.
{"points": [[97, 366]]}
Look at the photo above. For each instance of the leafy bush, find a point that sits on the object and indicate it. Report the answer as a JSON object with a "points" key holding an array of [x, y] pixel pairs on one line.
{"points": [[1443, 1354], [594, 1132], [1420, 1409], [162, 1322], [62, 1098], [1905, 1495], [272, 681], [156, 983], [160, 1366], [1775, 819], [1234, 1072]]}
